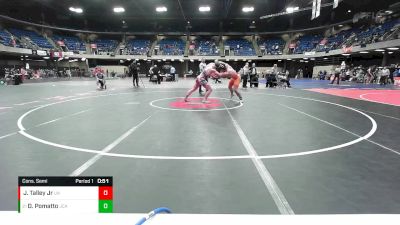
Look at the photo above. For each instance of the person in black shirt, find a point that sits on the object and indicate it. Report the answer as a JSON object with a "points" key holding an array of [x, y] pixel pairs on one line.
{"points": [[253, 76], [156, 71], [134, 72]]}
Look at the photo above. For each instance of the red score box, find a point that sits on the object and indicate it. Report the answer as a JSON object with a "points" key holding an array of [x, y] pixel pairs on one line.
{"points": [[105, 193]]}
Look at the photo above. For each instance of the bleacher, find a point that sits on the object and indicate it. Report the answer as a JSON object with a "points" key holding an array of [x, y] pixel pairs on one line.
{"points": [[71, 42], [240, 47], [374, 33], [172, 46], [105, 45], [6, 39], [37, 39], [307, 43], [357, 36], [336, 41], [137, 46], [206, 47], [273, 46]]}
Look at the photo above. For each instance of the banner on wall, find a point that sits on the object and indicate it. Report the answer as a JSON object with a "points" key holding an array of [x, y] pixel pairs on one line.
{"points": [[61, 54], [309, 53], [318, 13], [39, 52], [316, 9], [68, 54]]}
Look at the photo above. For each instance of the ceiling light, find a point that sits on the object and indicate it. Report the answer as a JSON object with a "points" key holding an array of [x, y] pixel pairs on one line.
{"points": [[292, 9], [325, 58], [390, 53], [119, 9], [161, 9], [289, 59], [340, 25], [349, 11], [393, 48], [280, 60], [76, 10], [364, 52], [248, 9], [204, 8], [379, 50]]}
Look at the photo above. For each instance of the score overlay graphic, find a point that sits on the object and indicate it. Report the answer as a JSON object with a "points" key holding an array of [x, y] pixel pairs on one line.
{"points": [[65, 194]]}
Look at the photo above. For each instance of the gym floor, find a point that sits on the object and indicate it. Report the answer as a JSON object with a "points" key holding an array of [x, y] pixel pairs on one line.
{"points": [[306, 150]]}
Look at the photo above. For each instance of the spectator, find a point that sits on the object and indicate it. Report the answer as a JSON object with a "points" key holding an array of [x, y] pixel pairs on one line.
{"points": [[173, 73], [253, 74], [391, 76], [246, 73], [384, 76], [337, 73], [396, 72], [156, 71], [134, 72], [285, 78], [369, 75], [321, 75]]}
